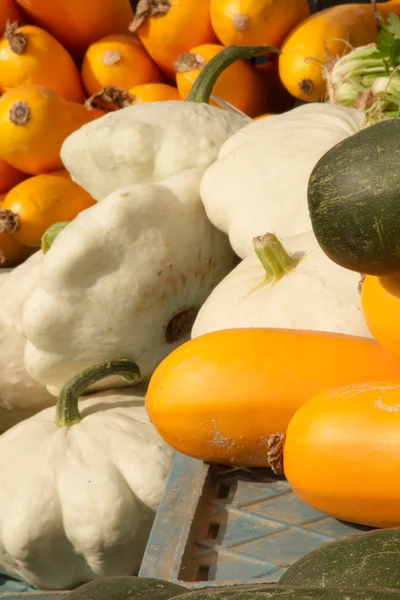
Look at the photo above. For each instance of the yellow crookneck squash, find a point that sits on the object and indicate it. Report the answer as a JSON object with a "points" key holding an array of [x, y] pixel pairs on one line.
{"points": [[341, 453], [228, 396]]}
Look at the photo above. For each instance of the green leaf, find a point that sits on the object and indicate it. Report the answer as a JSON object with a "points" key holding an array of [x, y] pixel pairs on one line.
{"points": [[394, 25], [388, 43]]}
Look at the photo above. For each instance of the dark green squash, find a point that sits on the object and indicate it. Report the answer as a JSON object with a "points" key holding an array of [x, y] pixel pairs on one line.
{"points": [[126, 588], [272, 592], [354, 200], [368, 560]]}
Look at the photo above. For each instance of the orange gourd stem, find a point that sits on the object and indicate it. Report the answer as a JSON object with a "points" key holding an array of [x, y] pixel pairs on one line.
{"points": [[322, 38], [76, 23], [10, 11], [120, 61], [12, 253], [228, 396], [35, 204], [341, 453], [34, 122], [31, 55]]}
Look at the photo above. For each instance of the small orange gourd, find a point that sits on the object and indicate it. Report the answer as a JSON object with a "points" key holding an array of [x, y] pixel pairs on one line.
{"points": [[167, 29], [12, 253], [380, 301], [10, 11], [249, 97], [31, 55], [34, 122], [120, 61], [35, 204], [341, 453], [9, 177], [79, 23], [251, 22], [228, 396], [323, 37], [154, 92]]}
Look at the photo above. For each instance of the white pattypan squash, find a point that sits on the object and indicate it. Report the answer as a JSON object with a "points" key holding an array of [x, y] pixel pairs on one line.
{"points": [[80, 486], [286, 285], [259, 182], [20, 395], [151, 141], [146, 142], [125, 278]]}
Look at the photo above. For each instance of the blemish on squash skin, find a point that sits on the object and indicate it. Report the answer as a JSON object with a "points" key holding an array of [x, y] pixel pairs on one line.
{"points": [[382, 406]]}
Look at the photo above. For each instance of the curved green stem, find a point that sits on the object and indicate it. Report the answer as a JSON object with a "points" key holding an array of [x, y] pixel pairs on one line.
{"points": [[205, 82], [273, 257], [67, 411], [51, 233]]}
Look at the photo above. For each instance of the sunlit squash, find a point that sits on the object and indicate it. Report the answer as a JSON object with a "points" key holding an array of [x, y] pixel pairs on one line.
{"points": [[341, 453], [228, 396]]}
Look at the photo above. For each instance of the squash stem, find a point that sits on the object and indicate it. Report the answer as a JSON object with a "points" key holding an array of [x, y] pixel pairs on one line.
{"points": [[67, 411], [51, 233], [208, 76], [273, 257]]}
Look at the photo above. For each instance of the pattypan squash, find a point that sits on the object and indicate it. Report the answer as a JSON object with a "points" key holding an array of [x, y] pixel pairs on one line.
{"points": [[289, 285], [80, 485], [20, 395], [150, 141], [125, 278], [259, 182]]}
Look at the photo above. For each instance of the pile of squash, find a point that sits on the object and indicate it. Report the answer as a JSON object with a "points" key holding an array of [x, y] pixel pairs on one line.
{"points": [[61, 67], [187, 276]]}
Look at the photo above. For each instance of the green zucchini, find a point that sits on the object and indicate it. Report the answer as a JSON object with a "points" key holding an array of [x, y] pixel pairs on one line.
{"points": [[368, 560], [126, 588], [354, 200], [272, 592]]}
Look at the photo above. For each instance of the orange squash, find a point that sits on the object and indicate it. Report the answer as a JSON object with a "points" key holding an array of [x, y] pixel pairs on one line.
{"points": [[10, 11], [12, 253], [34, 122], [320, 39], [249, 96], [154, 92], [31, 55], [79, 23], [342, 455], [35, 204], [380, 301], [120, 61], [262, 116], [228, 396], [9, 177], [251, 22], [167, 29]]}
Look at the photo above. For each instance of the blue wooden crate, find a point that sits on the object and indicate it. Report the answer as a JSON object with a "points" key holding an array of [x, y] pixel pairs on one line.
{"points": [[220, 526]]}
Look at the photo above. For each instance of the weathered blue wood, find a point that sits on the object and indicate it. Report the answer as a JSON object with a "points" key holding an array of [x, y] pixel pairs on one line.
{"points": [[219, 526], [174, 517]]}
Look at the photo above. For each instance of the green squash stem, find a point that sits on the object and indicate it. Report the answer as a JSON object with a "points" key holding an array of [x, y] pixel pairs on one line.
{"points": [[51, 233], [67, 411], [273, 257], [203, 86]]}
